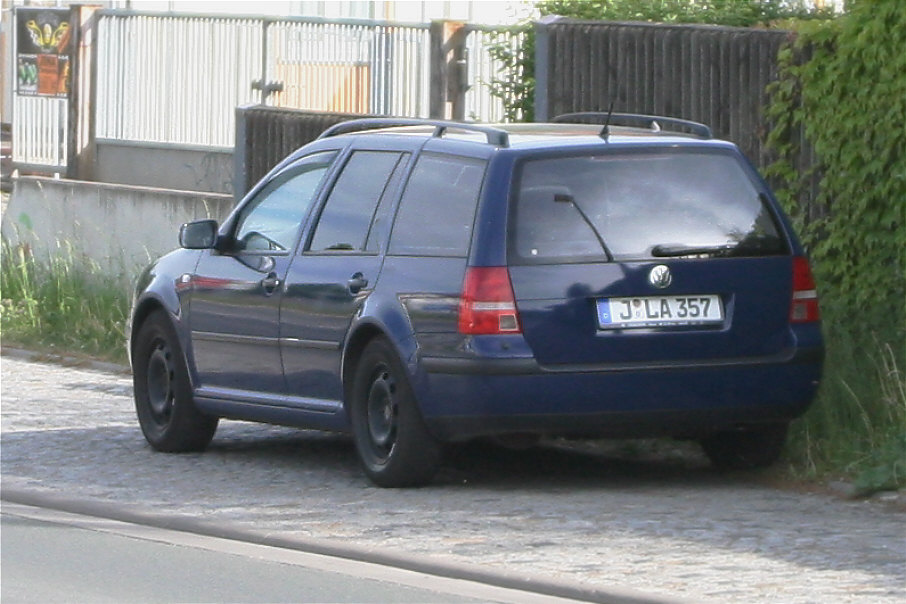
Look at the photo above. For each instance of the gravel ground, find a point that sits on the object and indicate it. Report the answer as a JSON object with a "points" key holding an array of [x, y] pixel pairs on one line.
{"points": [[665, 525]]}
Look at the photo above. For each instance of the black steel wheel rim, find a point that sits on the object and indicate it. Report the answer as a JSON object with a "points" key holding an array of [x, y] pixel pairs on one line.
{"points": [[160, 381], [383, 413]]}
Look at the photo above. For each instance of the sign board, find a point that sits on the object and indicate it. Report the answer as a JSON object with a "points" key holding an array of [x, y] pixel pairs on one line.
{"points": [[43, 52]]}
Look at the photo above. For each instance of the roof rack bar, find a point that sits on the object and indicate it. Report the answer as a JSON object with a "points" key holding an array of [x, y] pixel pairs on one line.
{"points": [[652, 122], [494, 136]]}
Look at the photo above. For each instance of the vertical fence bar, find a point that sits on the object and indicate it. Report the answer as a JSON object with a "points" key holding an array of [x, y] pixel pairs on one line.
{"points": [[542, 69]]}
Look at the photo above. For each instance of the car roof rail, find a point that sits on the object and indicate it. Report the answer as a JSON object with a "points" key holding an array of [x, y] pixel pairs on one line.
{"points": [[494, 136], [651, 122]]}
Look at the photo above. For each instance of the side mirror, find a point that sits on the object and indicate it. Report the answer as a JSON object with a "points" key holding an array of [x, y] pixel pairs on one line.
{"points": [[198, 235]]}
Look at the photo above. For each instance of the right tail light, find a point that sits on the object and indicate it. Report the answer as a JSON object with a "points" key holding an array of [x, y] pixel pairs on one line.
{"points": [[804, 303]]}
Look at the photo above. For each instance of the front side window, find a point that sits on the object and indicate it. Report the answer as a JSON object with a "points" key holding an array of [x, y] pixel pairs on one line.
{"points": [[639, 206], [349, 212], [271, 220], [438, 207]]}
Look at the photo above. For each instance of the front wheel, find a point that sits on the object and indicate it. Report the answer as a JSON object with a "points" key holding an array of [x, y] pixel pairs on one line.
{"points": [[756, 447], [394, 445], [163, 394]]}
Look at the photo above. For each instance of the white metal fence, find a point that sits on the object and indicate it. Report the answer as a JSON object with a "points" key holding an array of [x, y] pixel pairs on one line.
{"points": [[178, 78], [485, 67], [40, 133], [171, 79], [355, 67]]}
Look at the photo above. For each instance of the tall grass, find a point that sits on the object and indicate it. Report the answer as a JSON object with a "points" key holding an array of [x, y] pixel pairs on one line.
{"points": [[857, 427], [65, 303]]}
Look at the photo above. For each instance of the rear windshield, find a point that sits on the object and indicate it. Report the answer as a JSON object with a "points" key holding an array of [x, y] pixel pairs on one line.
{"points": [[639, 205]]}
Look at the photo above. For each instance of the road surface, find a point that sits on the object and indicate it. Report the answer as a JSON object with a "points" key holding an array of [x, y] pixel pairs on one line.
{"points": [[49, 556], [602, 524]]}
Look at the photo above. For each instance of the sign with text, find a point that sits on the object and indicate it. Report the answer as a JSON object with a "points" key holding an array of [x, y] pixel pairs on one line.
{"points": [[43, 52]]}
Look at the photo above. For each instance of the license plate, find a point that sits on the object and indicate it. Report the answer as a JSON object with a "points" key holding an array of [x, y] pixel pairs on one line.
{"points": [[659, 311]]}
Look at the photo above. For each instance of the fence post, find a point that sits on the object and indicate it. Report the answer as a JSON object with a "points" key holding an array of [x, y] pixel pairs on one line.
{"points": [[437, 69], [542, 65], [81, 135], [240, 154], [447, 88]]}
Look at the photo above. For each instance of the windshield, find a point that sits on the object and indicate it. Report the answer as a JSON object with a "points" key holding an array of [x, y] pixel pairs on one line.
{"points": [[638, 206]]}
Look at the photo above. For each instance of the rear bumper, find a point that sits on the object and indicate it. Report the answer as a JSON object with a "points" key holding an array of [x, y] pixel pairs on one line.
{"points": [[465, 398], [528, 366]]}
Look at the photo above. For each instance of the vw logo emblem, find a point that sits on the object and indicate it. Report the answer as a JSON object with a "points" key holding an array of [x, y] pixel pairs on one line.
{"points": [[660, 276]]}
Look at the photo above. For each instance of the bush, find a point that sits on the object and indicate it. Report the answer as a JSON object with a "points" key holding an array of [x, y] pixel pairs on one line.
{"points": [[841, 98], [735, 13]]}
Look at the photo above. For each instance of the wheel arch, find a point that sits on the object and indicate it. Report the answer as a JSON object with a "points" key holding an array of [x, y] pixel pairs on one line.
{"points": [[359, 338], [355, 345], [140, 313]]}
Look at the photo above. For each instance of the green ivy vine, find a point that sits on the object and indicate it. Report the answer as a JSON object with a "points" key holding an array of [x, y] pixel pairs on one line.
{"points": [[840, 104]]}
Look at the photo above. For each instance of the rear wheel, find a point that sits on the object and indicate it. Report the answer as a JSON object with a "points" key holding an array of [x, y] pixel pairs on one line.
{"points": [[163, 394], [394, 445], [746, 449]]}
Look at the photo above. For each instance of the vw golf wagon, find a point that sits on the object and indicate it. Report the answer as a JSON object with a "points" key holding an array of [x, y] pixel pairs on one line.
{"points": [[418, 282]]}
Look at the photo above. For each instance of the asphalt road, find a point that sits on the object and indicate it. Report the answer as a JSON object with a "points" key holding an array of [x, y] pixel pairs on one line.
{"points": [[49, 556], [608, 526]]}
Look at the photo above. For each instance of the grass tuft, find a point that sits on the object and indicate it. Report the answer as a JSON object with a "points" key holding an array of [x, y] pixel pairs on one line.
{"points": [[64, 303], [856, 429]]}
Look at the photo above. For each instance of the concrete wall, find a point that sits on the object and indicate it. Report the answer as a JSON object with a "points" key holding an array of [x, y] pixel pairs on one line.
{"points": [[183, 167], [117, 226]]}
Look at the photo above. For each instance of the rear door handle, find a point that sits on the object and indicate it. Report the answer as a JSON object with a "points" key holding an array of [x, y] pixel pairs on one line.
{"points": [[270, 283], [356, 283]]}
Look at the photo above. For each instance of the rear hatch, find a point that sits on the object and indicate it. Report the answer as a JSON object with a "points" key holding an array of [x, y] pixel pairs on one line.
{"points": [[653, 255]]}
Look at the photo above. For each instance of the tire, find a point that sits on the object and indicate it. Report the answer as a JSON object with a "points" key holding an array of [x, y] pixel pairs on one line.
{"points": [[393, 443], [746, 449], [163, 393]]}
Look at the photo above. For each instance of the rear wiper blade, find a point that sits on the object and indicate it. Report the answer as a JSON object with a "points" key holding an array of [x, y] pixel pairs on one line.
{"points": [[566, 198], [671, 251]]}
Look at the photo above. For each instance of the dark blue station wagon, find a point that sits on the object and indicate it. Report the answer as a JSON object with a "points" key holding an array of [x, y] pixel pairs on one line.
{"points": [[417, 283]]}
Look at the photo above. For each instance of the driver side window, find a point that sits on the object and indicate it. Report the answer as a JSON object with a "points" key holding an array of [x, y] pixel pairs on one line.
{"points": [[271, 220]]}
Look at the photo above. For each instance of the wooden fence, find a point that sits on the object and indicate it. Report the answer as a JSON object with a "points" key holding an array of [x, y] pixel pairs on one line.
{"points": [[714, 75]]}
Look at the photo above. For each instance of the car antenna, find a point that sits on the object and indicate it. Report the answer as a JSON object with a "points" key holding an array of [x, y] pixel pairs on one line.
{"points": [[612, 70], [605, 132]]}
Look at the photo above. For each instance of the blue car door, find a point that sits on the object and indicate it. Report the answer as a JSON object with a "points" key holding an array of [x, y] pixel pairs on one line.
{"points": [[334, 274], [237, 288]]}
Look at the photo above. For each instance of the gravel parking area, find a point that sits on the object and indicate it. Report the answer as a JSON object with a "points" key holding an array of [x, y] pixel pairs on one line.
{"points": [[666, 526]]}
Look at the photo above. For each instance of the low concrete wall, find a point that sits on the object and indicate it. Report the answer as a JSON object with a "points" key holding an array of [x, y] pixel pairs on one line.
{"points": [[184, 167], [119, 227]]}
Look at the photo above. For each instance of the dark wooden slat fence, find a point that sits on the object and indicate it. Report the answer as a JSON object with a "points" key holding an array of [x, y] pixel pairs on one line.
{"points": [[714, 75], [265, 135]]}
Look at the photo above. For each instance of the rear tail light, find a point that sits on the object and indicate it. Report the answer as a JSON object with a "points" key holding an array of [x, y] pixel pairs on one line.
{"points": [[487, 304], [804, 305]]}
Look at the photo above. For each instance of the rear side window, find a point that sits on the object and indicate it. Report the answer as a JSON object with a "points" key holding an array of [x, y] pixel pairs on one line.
{"points": [[348, 217], [639, 206], [438, 207]]}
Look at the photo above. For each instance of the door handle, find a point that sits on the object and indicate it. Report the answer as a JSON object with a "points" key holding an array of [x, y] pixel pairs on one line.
{"points": [[270, 283], [356, 283]]}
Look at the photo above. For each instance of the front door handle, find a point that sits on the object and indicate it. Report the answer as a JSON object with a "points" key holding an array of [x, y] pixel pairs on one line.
{"points": [[270, 283], [356, 283]]}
